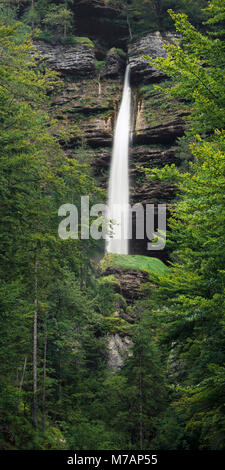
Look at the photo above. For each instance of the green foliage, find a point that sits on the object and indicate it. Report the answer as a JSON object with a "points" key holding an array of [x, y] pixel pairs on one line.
{"points": [[197, 72], [146, 388], [41, 274], [167, 173], [100, 64], [191, 296], [169, 394], [109, 280], [118, 51], [136, 262], [58, 19], [146, 16], [216, 12]]}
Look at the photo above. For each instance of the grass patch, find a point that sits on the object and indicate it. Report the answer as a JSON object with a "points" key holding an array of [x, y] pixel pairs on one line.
{"points": [[135, 262]]}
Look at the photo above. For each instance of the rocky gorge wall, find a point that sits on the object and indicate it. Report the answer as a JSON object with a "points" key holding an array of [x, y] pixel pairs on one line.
{"points": [[87, 108]]}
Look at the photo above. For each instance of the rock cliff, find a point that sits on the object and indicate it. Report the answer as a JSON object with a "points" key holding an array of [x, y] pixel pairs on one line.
{"points": [[88, 104], [115, 64], [87, 108], [150, 45], [76, 61], [98, 19], [119, 348]]}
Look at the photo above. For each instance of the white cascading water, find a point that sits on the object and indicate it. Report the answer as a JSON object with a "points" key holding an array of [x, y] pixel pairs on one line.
{"points": [[118, 192]]}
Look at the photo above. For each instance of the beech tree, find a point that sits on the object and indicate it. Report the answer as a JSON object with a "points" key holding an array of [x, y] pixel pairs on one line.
{"points": [[192, 296]]}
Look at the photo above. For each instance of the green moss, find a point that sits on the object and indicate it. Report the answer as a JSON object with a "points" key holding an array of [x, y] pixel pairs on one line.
{"points": [[54, 439], [118, 51], [83, 41], [109, 280], [135, 262], [119, 299]]}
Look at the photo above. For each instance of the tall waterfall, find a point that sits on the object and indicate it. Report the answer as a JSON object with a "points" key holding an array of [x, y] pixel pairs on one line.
{"points": [[118, 192]]}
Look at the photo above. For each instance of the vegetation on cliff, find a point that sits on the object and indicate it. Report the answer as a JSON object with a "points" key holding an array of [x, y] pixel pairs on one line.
{"points": [[58, 21], [139, 263]]}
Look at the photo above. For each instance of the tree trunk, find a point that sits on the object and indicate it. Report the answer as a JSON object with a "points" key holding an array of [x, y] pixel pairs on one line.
{"points": [[158, 9], [32, 24], [99, 85], [35, 337], [140, 386], [44, 379], [141, 402], [23, 374], [65, 25], [128, 22]]}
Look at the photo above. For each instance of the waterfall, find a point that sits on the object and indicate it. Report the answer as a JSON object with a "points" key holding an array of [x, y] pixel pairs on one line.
{"points": [[118, 191]]}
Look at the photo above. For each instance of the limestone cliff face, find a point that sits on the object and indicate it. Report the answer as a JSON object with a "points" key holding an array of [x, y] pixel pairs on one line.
{"points": [[88, 104], [149, 45], [130, 282], [119, 348], [115, 64], [75, 61], [87, 108]]}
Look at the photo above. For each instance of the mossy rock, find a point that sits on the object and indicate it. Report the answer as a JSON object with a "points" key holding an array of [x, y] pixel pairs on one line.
{"points": [[134, 262], [115, 50], [83, 41], [106, 280]]}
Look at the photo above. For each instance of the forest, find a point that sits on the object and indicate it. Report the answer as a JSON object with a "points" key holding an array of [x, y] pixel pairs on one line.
{"points": [[111, 352]]}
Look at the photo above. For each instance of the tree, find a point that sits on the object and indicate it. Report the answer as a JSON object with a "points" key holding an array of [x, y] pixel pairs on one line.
{"points": [[192, 295], [146, 389], [58, 19], [39, 324], [144, 16]]}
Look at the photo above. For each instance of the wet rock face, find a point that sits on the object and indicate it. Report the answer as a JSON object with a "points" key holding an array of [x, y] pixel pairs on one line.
{"points": [[87, 108], [151, 157], [144, 156], [149, 45], [77, 61], [115, 64], [90, 106], [118, 349], [130, 282], [164, 134]]}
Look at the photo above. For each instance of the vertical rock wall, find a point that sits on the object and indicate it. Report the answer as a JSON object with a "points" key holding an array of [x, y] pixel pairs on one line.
{"points": [[87, 108]]}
